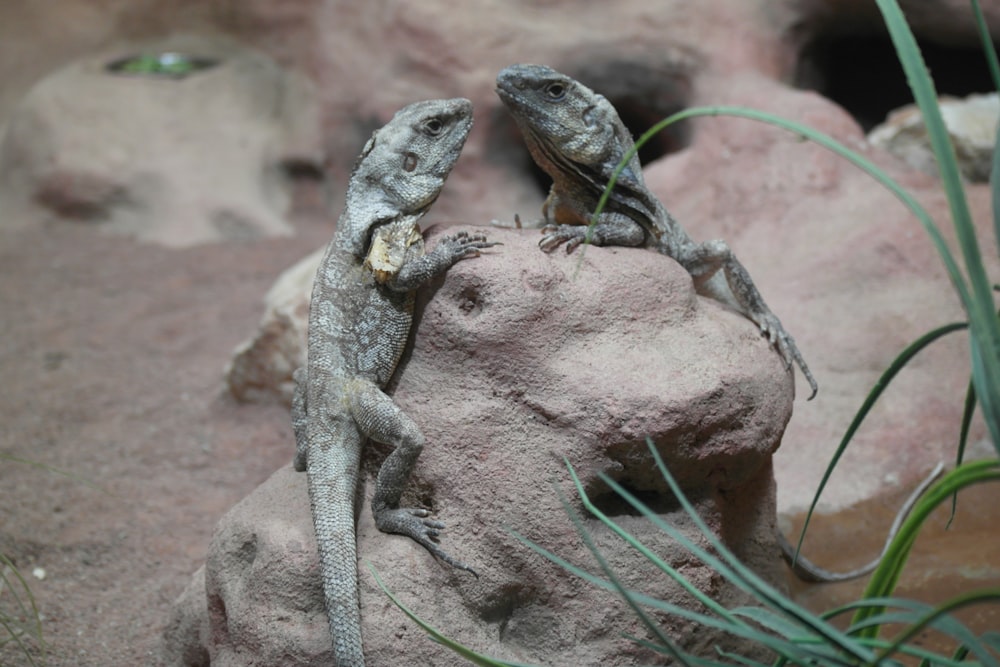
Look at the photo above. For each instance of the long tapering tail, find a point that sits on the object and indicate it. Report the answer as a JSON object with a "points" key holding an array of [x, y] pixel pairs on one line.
{"points": [[332, 470]]}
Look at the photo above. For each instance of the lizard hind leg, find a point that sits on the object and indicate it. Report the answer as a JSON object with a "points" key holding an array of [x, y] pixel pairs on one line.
{"points": [[704, 260], [380, 419]]}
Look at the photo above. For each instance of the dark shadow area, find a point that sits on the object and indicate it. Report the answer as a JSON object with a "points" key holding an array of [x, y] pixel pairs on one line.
{"points": [[613, 505], [859, 71]]}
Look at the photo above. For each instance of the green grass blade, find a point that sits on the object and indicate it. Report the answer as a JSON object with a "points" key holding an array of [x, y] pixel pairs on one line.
{"points": [[797, 651], [737, 629], [951, 180], [985, 346], [986, 40], [26, 607], [821, 139], [887, 376], [466, 653], [761, 589], [945, 609], [648, 554], [883, 580], [995, 189], [994, 66], [968, 410], [986, 379], [666, 645]]}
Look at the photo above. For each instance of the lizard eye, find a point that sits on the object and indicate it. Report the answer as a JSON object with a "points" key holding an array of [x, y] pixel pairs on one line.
{"points": [[433, 127], [410, 161], [556, 91]]}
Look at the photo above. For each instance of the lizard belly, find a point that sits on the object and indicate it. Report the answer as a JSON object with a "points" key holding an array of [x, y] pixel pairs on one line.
{"points": [[380, 333]]}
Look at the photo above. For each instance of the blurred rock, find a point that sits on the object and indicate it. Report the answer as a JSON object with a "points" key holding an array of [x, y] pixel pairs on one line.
{"points": [[261, 368], [175, 160], [972, 127]]}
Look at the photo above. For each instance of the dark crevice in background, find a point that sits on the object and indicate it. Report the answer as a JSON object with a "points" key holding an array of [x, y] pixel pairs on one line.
{"points": [[858, 69]]}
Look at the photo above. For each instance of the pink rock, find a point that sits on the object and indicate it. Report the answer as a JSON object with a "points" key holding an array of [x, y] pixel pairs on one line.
{"points": [[261, 368], [522, 359]]}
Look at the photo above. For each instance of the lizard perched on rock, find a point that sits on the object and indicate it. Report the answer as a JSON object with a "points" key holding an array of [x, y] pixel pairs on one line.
{"points": [[577, 138], [359, 321]]}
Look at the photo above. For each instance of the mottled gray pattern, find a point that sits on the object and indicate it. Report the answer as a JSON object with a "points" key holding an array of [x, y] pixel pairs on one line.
{"points": [[358, 326], [577, 138]]}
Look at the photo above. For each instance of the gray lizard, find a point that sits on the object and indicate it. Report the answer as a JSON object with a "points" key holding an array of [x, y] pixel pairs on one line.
{"points": [[359, 321], [577, 138]]}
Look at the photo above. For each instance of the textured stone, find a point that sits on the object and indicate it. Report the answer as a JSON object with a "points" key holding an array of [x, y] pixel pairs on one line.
{"points": [[522, 359], [972, 128], [261, 368], [178, 161]]}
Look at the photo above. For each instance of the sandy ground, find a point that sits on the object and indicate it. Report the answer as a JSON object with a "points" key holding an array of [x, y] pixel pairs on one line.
{"points": [[111, 359]]}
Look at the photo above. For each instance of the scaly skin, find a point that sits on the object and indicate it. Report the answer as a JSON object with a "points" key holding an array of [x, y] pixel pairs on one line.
{"points": [[359, 321], [577, 138]]}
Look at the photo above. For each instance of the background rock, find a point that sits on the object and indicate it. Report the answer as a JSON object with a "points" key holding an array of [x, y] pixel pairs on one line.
{"points": [[175, 160], [261, 368], [521, 359], [972, 127]]}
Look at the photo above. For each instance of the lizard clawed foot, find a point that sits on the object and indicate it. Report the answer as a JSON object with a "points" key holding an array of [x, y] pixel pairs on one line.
{"points": [[463, 245], [413, 522], [771, 327], [571, 235]]}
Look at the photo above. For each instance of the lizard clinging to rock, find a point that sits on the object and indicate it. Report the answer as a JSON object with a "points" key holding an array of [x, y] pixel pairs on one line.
{"points": [[576, 137], [359, 321]]}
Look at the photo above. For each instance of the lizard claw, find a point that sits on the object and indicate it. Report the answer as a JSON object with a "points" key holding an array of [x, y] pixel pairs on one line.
{"points": [[771, 327], [556, 235], [412, 522], [463, 245]]}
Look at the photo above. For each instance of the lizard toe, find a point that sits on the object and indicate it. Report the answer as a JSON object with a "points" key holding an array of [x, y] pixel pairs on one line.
{"points": [[417, 511], [434, 525]]}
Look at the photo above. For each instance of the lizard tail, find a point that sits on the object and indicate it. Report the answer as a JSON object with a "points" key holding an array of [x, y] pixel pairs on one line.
{"points": [[332, 470]]}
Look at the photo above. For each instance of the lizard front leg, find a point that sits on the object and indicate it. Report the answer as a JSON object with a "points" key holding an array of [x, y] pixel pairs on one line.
{"points": [[417, 271], [565, 224], [380, 419], [703, 260]]}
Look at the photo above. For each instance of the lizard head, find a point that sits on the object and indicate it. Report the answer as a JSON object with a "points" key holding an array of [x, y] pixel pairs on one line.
{"points": [[403, 167], [561, 119]]}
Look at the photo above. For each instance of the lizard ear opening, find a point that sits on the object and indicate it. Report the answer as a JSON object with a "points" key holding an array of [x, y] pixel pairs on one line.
{"points": [[410, 161]]}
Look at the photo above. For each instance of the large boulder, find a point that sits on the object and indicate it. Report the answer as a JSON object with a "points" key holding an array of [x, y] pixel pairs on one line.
{"points": [[521, 362]]}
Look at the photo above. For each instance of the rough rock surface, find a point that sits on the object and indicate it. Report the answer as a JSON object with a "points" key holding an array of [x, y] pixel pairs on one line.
{"points": [[178, 161], [518, 362], [262, 367]]}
